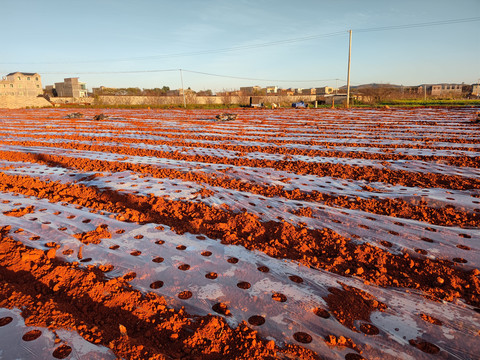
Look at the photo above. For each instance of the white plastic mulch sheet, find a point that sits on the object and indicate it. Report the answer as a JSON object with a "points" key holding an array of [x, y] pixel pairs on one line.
{"points": [[460, 245], [21, 342], [197, 272], [278, 298], [467, 200], [395, 165]]}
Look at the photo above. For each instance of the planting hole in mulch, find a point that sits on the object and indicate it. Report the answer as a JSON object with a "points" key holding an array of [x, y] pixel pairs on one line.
{"points": [[302, 337], [369, 329], [279, 297], [156, 284], [5, 320], [184, 295], [256, 320], [321, 313], [62, 352], [244, 285], [31, 335]]}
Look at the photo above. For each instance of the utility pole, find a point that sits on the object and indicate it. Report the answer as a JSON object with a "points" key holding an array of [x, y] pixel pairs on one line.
{"points": [[348, 73], [183, 90]]}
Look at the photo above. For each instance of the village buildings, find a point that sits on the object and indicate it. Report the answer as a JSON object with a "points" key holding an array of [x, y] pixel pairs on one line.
{"points": [[29, 84]]}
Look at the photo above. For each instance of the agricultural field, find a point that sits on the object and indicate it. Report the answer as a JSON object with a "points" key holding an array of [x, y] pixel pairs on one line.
{"points": [[288, 233]]}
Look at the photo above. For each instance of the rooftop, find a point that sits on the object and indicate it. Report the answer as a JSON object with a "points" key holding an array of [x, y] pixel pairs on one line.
{"points": [[23, 73]]}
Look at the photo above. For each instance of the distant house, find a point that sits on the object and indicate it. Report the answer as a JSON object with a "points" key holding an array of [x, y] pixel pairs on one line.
{"points": [[250, 90], [21, 84], [441, 89], [271, 89], [446, 89], [476, 90], [311, 91], [71, 87], [326, 90], [50, 91], [180, 92]]}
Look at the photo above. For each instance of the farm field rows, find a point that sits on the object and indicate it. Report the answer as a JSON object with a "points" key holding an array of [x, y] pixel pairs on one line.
{"points": [[290, 234]]}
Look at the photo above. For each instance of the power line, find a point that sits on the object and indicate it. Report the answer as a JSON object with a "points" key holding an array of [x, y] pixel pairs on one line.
{"points": [[416, 25], [109, 72], [255, 79], [263, 45], [185, 70]]}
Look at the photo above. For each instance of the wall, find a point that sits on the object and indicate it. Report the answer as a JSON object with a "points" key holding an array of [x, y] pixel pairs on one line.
{"points": [[201, 100], [18, 102], [72, 100]]}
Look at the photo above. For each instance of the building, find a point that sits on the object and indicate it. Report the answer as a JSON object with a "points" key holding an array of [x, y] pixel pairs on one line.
{"points": [[285, 92], [446, 89], [271, 89], [250, 90], [476, 90], [21, 84], [180, 92], [441, 89], [71, 87], [326, 90], [311, 91]]}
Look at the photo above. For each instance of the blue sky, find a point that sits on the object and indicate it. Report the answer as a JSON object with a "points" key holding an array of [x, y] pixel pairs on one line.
{"points": [[73, 38]]}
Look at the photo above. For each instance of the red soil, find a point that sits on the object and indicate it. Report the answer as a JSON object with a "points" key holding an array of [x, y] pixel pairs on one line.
{"points": [[317, 248], [55, 294], [135, 325]]}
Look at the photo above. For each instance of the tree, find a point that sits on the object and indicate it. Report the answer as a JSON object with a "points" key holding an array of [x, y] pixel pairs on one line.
{"points": [[205, 93], [376, 93], [133, 91]]}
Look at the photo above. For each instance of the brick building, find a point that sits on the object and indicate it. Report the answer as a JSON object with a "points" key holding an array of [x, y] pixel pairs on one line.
{"points": [[21, 84], [71, 87]]}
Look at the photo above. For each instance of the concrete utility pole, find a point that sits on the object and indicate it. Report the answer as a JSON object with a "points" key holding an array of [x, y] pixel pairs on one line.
{"points": [[348, 73], [183, 90]]}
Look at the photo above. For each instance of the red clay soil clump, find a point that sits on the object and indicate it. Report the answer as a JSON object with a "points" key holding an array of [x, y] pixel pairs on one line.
{"points": [[109, 312], [94, 236], [20, 211], [351, 304]]}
